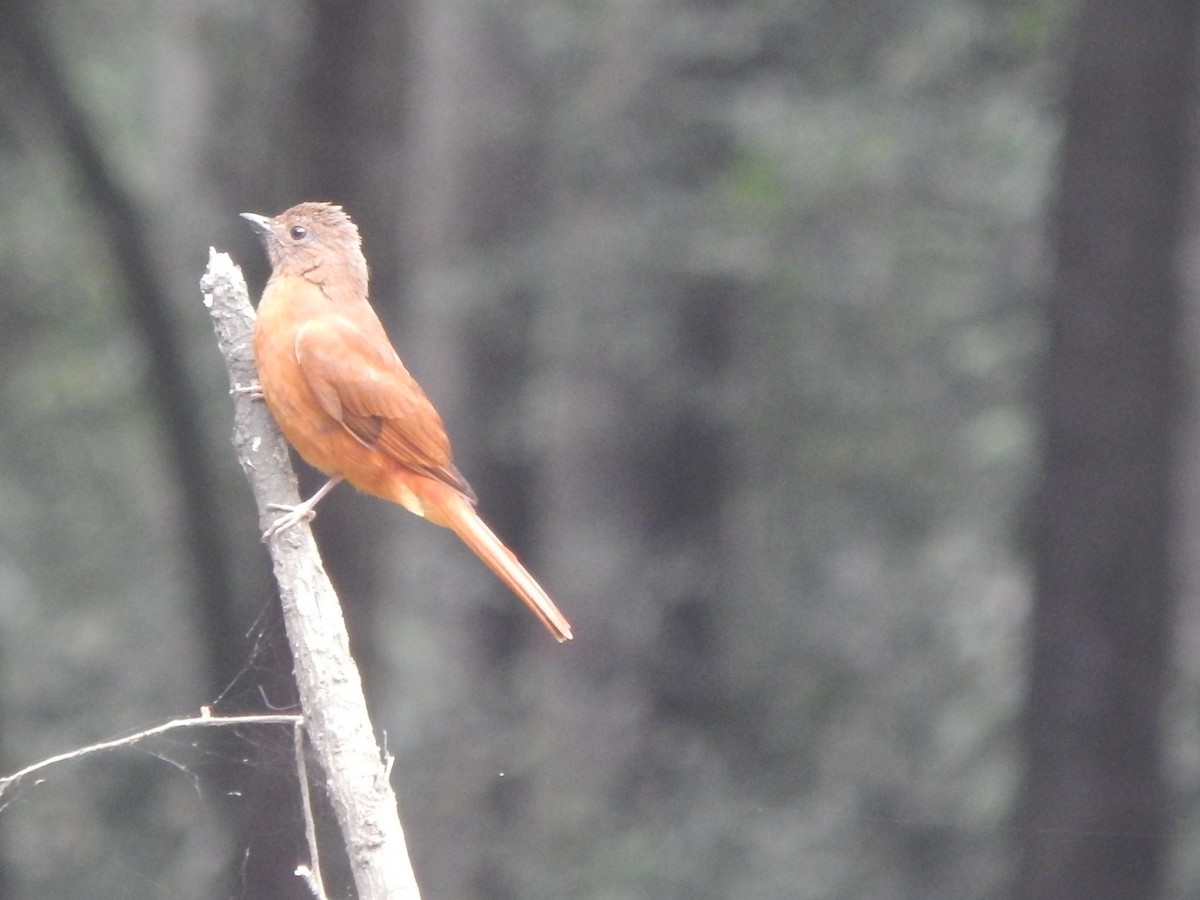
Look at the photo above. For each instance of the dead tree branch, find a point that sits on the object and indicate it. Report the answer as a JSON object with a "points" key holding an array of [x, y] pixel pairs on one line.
{"points": [[335, 711]]}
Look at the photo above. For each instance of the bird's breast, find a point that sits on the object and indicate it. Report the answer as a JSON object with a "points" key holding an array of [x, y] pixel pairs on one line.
{"points": [[317, 436], [321, 439]]}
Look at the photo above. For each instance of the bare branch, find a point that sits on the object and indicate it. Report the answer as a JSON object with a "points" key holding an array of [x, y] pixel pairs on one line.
{"points": [[312, 881], [335, 712], [313, 876], [204, 720]]}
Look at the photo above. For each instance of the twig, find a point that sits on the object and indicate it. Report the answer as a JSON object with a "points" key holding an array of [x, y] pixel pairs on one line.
{"points": [[313, 878], [203, 720], [335, 711], [313, 882]]}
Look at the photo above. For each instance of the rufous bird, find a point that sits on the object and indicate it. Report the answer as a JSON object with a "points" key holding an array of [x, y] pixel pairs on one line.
{"points": [[342, 397]]}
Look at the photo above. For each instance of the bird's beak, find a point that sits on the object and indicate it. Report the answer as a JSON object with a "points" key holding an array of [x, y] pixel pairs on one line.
{"points": [[261, 223]]}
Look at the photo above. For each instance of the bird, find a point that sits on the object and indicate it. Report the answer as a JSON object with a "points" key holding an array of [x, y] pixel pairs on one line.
{"points": [[335, 385]]}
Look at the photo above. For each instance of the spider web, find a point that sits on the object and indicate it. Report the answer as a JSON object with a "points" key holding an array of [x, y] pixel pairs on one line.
{"points": [[156, 811]]}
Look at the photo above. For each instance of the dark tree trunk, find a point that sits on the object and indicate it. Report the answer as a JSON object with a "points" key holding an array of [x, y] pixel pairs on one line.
{"points": [[349, 136], [115, 212], [1094, 811]]}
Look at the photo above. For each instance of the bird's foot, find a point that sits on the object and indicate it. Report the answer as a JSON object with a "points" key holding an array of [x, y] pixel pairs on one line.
{"points": [[292, 515], [253, 390], [301, 512]]}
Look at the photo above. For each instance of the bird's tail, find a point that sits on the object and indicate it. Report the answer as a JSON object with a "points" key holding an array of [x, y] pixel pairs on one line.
{"points": [[474, 532]]}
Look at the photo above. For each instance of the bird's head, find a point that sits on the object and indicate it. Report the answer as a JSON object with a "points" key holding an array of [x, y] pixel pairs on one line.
{"points": [[313, 240]]}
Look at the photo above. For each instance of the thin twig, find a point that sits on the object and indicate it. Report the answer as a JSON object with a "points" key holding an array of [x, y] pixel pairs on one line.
{"points": [[313, 882], [316, 885], [205, 720]]}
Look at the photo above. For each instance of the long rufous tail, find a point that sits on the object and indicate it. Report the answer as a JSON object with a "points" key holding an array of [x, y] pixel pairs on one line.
{"points": [[474, 532]]}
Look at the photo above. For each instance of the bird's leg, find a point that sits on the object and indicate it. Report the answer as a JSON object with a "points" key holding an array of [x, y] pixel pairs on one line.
{"points": [[253, 390], [302, 512]]}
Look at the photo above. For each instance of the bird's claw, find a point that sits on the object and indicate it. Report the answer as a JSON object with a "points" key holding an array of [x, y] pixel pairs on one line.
{"points": [[292, 515], [302, 512], [252, 390]]}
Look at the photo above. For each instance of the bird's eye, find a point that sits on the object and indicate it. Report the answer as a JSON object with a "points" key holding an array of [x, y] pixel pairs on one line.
{"points": [[299, 232]]}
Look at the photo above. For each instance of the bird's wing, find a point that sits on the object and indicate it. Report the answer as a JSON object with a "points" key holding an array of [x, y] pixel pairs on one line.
{"points": [[364, 386]]}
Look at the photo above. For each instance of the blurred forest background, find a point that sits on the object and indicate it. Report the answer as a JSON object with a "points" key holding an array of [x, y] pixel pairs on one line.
{"points": [[829, 363]]}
